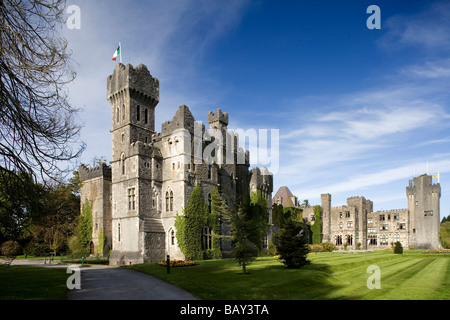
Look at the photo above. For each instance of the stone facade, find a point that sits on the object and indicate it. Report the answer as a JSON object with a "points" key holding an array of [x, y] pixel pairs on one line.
{"points": [[153, 173], [353, 223]]}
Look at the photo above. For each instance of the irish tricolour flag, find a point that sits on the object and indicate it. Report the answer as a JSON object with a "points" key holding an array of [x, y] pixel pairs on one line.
{"points": [[116, 53]]}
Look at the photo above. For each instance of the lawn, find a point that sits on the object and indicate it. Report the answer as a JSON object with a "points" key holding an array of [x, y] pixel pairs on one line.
{"points": [[412, 275], [32, 283]]}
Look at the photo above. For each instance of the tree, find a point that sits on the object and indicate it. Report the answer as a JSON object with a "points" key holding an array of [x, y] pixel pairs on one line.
{"points": [[248, 222], [59, 219], [292, 245], [38, 129], [21, 201], [244, 249], [398, 248]]}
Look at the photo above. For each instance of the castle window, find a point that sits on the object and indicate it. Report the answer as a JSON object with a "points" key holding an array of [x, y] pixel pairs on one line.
{"points": [[347, 214], [118, 231], [208, 167], [146, 116], [206, 238], [382, 217], [349, 224], [428, 213], [117, 114], [172, 237], [123, 112], [402, 226], [171, 200], [138, 113], [339, 240], [131, 199], [122, 162], [167, 201]]}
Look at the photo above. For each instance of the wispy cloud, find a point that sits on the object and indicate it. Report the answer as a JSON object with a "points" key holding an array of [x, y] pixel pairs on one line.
{"points": [[429, 29]]}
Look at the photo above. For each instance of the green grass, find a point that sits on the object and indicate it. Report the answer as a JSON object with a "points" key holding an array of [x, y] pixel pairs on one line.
{"points": [[412, 275], [32, 283]]}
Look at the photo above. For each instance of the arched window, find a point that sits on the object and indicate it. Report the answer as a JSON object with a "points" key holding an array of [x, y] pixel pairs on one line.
{"points": [[206, 238], [123, 112], [171, 201], [146, 116], [172, 237], [167, 201]]}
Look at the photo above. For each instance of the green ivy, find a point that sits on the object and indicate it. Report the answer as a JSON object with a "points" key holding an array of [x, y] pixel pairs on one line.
{"points": [[85, 225], [190, 225], [316, 228]]}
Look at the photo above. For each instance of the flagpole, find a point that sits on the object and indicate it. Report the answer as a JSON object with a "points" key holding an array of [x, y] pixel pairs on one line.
{"points": [[120, 52]]}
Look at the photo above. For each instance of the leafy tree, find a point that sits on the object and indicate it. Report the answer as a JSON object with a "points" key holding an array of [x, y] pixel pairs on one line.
{"points": [[59, 219], [292, 245], [21, 201]]}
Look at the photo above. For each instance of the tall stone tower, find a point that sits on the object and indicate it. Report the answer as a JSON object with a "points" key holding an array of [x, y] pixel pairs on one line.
{"points": [[423, 204], [325, 200], [133, 94]]}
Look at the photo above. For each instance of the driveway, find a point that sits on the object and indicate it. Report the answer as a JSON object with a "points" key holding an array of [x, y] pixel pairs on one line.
{"points": [[118, 283]]}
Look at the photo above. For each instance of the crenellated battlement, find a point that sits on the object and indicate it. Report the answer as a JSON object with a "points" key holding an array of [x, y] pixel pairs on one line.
{"points": [[103, 170], [138, 81], [218, 117]]}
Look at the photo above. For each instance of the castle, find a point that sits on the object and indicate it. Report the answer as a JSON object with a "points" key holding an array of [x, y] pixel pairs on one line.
{"points": [[414, 227], [152, 174]]}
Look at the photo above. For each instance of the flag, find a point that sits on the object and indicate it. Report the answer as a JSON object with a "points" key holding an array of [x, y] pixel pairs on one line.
{"points": [[116, 53], [436, 176]]}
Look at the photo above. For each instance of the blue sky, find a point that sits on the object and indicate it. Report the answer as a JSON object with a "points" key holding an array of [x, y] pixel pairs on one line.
{"points": [[359, 111]]}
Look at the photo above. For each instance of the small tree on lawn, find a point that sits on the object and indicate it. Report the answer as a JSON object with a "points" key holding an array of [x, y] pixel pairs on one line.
{"points": [[398, 248], [291, 245]]}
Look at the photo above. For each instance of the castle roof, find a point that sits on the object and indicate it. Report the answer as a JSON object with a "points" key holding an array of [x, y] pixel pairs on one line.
{"points": [[285, 195]]}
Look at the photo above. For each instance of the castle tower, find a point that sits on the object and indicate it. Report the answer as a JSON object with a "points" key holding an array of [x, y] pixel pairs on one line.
{"points": [[423, 204], [133, 94], [96, 189], [325, 200]]}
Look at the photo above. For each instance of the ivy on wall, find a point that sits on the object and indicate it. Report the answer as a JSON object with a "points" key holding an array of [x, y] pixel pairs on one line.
{"points": [[316, 228], [85, 225], [190, 226]]}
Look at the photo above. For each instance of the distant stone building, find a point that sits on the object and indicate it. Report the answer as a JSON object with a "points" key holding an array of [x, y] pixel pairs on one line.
{"points": [[152, 174], [353, 223]]}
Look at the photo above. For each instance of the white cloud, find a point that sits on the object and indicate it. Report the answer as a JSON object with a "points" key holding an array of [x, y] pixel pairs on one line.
{"points": [[429, 29]]}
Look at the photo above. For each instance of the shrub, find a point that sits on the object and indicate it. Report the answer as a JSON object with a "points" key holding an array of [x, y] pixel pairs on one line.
{"points": [[11, 249], [328, 247], [177, 263], [398, 248]]}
